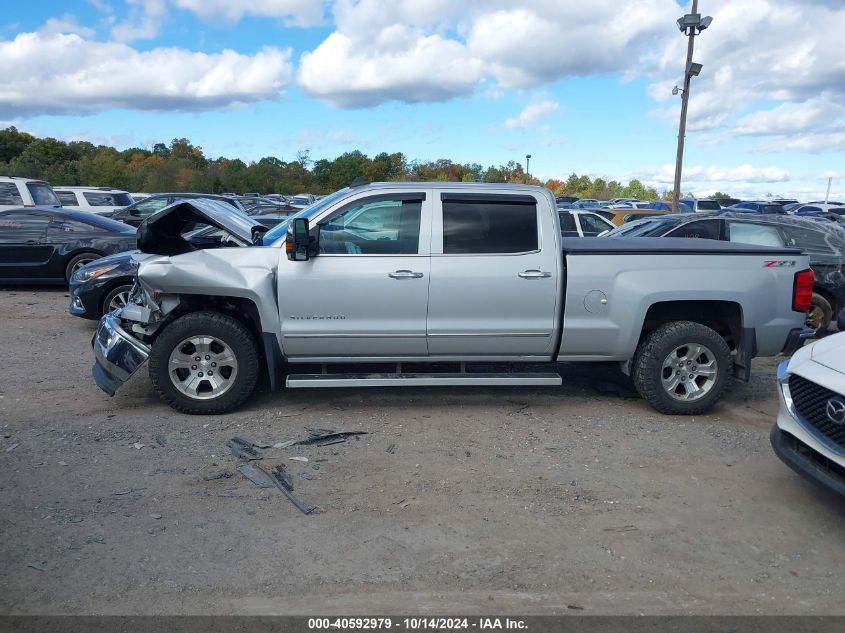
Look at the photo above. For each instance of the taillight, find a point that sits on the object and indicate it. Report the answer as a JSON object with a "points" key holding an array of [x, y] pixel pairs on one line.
{"points": [[802, 291]]}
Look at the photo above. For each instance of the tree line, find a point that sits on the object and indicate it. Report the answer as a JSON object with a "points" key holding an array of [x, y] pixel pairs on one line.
{"points": [[182, 166]]}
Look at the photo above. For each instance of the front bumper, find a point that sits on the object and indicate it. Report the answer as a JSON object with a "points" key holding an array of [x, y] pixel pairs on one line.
{"points": [[117, 355], [797, 444]]}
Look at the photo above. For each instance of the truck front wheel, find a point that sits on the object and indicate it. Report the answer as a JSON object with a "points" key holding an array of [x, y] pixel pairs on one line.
{"points": [[205, 362], [682, 368]]}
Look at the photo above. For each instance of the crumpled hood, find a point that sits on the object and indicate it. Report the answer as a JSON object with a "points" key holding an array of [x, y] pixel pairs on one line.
{"points": [[162, 233], [830, 352]]}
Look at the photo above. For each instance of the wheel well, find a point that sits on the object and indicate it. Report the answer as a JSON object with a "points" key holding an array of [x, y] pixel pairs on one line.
{"points": [[240, 308], [827, 295], [725, 317]]}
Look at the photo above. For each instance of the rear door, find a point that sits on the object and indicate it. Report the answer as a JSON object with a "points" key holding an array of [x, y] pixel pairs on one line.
{"points": [[494, 276], [23, 250], [365, 294]]}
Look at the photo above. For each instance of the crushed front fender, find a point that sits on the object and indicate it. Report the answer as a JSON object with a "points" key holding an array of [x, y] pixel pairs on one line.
{"points": [[117, 355]]}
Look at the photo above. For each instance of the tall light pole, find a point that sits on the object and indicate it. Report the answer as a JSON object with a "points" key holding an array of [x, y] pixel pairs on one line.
{"points": [[527, 170], [691, 25]]}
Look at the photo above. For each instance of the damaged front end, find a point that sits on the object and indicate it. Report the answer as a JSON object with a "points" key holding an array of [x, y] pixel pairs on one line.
{"points": [[192, 263]]}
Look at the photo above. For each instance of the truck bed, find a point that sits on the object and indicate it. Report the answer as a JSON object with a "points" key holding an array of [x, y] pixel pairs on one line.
{"points": [[666, 246]]}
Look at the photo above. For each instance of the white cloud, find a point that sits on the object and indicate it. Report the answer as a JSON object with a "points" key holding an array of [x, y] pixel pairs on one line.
{"points": [[531, 114], [144, 23], [700, 174], [292, 12], [433, 50], [65, 24], [65, 73], [762, 51]]}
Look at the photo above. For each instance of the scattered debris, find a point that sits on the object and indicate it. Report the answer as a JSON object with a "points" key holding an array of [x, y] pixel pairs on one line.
{"points": [[119, 493], [323, 437], [391, 449], [138, 445], [257, 476], [76, 519], [575, 607], [62, 463], [40, 565], [284, 482], [96, 538], [241, 450], [299, 459], [232, 492], [161, 440], [622, 528], [11, 448], [248, 441], [284, 444], [155, 515], [217, 474]]}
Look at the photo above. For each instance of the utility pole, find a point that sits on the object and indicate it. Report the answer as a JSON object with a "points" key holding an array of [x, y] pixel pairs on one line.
{"points": [[691, 24], [827, 195], [527, 167]]}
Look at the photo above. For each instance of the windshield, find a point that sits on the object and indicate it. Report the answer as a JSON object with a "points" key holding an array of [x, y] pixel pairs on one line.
{"points": [[644, 228], [277, 232]]}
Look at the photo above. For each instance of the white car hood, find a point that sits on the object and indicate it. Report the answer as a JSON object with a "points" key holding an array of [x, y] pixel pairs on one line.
{"points": [[830, 352]]}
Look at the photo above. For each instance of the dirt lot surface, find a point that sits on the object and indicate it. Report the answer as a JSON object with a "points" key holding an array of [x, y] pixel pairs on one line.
{"points": [[493, 500]]}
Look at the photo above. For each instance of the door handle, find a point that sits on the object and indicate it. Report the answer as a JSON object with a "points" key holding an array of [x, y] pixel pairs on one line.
{"points": [[404, 274], [33, 241], [534, 274]]}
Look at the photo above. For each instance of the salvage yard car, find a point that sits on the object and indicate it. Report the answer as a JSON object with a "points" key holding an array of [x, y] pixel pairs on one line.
{"points": [[809, 435], [47, 246], [442, 284]]}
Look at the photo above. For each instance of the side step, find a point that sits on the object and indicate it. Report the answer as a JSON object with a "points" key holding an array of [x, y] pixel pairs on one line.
{"points": [[295, 381]]}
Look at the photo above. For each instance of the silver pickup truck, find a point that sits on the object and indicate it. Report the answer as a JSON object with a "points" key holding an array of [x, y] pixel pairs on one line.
{"points": [[441, 284]]}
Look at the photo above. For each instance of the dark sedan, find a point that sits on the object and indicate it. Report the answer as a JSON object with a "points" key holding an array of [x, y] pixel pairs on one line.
{"points": [[46, 246]]}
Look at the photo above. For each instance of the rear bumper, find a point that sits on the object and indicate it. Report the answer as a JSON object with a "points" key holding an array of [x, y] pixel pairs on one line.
{"points": [[116, 355], [808, 462], [795, 339]]}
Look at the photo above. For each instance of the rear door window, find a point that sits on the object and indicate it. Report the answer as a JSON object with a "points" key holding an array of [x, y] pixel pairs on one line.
{"points": [[593, 225], [567, 225], [20, 227], [708, 205], [67, 198], [479, 224], [703, 229], [42, 194], [97, 199], [9, 194], [760, 234]]}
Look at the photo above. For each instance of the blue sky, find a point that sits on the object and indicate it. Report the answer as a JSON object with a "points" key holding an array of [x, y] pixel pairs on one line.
{"points": [[576, 85]]}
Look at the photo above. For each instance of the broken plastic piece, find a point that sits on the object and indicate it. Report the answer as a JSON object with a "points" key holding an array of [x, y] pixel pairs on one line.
{"points": [[248, 441], [242, 452], [256, 476]]}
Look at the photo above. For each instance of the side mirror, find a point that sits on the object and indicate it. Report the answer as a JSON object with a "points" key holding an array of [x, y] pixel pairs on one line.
{"points": [[297, 242], [134, 211]]}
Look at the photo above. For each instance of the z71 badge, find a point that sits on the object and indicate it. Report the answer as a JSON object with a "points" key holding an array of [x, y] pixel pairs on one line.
{"points": [[779, 263]]}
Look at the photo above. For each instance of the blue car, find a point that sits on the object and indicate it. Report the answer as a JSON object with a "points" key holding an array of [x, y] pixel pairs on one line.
{"points": [[756, 207]]}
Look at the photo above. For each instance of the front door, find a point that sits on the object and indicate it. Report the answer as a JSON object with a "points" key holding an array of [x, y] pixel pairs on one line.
{"points": [[24, 252], [365, 294]]}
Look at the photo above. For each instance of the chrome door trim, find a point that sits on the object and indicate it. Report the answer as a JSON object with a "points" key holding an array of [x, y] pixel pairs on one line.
{"points": [[497, 334]]}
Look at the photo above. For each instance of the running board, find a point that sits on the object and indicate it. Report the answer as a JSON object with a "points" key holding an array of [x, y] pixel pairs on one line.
{"points": [[295, 381]]}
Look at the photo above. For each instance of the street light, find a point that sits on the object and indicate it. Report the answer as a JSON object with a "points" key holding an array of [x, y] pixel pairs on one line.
{"points": [[691, 24], [527, 164]]}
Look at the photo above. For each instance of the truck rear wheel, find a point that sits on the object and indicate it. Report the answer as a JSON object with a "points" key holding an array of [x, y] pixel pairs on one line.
{"points": [[682, 368], [205, 362]]}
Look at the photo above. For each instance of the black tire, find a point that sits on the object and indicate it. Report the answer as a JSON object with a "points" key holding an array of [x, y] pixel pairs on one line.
{"points": [[110, 296], [821, 314], [655, 349], [77, 260], [211, 324]]}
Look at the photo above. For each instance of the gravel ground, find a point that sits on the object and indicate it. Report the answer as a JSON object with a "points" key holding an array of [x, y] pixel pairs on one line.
{"points": [[506, 500]]}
